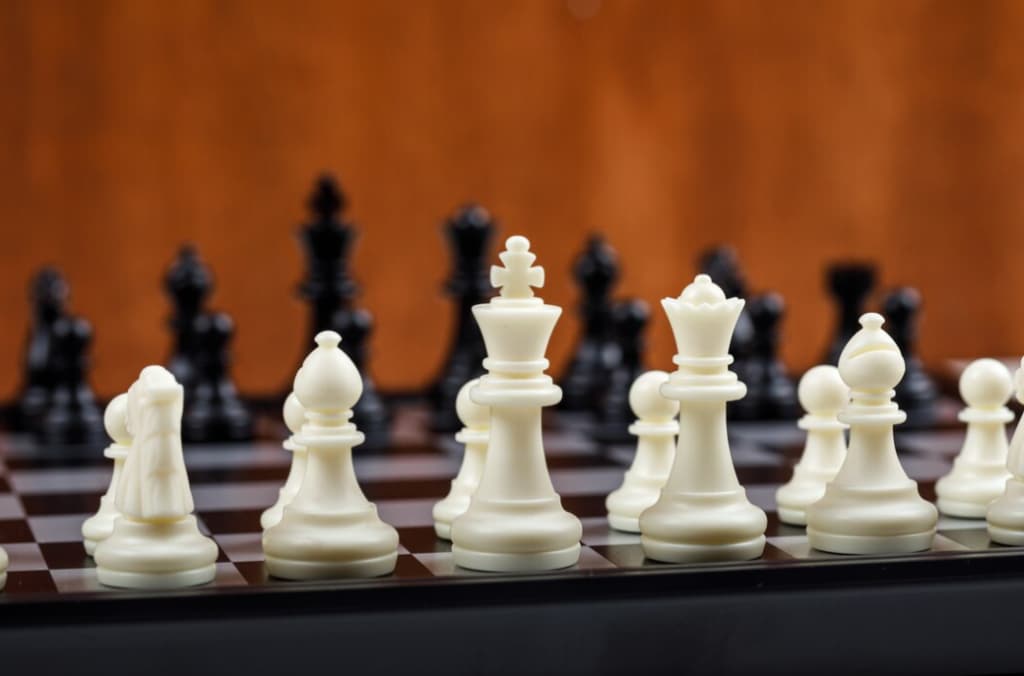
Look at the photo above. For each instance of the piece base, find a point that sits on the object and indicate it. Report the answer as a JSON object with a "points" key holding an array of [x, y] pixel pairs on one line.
{"points": [[443, 530], [627, 524], [90, 546], [870, 544], [677, 552], [291, 569], [962, 510], [3, 579], [1005, 536], [516, 563], [175, 580], [791, 516]]}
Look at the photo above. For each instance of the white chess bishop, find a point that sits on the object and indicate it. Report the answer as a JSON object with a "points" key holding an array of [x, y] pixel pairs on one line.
{"points": [[822, 394], [474, 435], [703, 513], [979, 472], [156, 543], [100, 525], [655, 430], [1006, 513], [515, 520], [329, 529], [294, 417], [872, 506]]}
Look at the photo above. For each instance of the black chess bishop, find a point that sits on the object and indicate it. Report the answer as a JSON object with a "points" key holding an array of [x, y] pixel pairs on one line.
{"points": [[188, 283], [771, 393], [629, 321], [48, 295], [214, 412], [916, 393], [849, 284], [72, 416]]}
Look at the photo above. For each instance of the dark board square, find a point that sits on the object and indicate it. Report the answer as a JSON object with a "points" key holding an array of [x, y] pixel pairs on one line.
{"points": [[29, 582], [15, 530], [239, 521], [61, 503], [422, 540], [60, 555]]}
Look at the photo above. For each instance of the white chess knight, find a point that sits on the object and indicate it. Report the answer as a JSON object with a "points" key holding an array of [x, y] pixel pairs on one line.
{"points": [[100, 525], [156, 543], [703, 513], [822, 394], [1006, 513], [294, 417], [329, 529], [474, 435], [979, 472], [872, 506], [515, 520], [655, 430]]}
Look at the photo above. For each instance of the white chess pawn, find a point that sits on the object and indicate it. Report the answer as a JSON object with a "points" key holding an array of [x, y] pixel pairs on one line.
{"points": [[156, 543], [1006, 513], [294, 417], [329, 529], [475, 433], [822, 395], [100, 525], [655, 430], [979, 472], [872, 506]]}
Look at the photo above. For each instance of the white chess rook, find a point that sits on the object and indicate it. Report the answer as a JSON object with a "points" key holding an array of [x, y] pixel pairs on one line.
{"points": [[979, 472], [294, 417], [329, 529], [156, 543], [655, 430], [703, 513], [515, 520], [101, 524], [872, 506], [1006, 513], [822, 394], [475, 433]]}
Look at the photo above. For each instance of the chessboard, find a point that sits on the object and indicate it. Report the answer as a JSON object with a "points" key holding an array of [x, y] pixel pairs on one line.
{"points": [[44, 499]]}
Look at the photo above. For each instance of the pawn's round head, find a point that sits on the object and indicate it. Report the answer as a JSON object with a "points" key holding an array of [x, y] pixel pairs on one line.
{"points": [[115, 420], [871, 361], [646, 400], [986, 384], [822, 391], [471, 414], [328, 380], [294, 413]]}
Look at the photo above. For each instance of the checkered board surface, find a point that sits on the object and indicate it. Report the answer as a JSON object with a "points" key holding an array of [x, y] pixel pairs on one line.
{"points": [[44, 502]]}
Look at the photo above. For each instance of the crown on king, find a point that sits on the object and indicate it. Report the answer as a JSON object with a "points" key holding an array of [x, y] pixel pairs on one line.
{"points": [[702, 319], [519, 273]]}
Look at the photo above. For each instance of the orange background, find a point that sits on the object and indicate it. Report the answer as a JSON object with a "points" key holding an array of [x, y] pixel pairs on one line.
{"points": [[800, 132]]}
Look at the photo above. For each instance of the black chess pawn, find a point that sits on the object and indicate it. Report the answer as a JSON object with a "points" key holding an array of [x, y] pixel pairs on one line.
{"points": [[369, 414], [72, 416], [722, 265], [850, 284], [629, 319], [469, 233], [771, 393], [596, 270], [214, 413], [189, 283], [917, 393], [48, 295]]}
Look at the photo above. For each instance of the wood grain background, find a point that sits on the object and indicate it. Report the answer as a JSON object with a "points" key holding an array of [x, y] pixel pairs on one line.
{"points": [[800, 132]]}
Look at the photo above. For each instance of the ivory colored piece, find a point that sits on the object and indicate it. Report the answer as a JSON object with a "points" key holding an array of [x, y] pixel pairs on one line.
{"points": [[329, 529], [476, 421], [4, 562], [703, 513], [979, 472], [100, 525], [872, 506], [294, 417], [515, 520], [822, 394], [156, 543], [1005, 515], [655, 430]]}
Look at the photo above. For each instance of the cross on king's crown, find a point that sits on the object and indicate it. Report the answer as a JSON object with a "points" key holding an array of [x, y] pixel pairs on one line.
{"points": [[518, 273]]}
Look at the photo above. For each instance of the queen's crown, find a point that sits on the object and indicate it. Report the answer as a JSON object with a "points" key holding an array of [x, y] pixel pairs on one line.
{"points": [[702, 319]]}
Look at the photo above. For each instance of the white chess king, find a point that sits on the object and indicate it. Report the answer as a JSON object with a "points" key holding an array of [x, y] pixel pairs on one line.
{"points": [[1006, 513], [515, 520], [703, 513], [872, 506]]}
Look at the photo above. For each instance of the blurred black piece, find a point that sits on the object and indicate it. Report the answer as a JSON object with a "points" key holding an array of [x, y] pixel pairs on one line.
{"points": [[596, 271], [850, 284], [48, 295], [189, 283], [330, 291], [771, 393], [72, 416], [214, 412], [917, 393], [468, 234], [629, 320]]}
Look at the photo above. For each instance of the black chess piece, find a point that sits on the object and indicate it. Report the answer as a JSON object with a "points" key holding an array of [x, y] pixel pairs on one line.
{"points": [[189, 283], [629, 319], [850, 284], [214, 413], [48, 294], [469, 234], [917, 393], [722, 265], [72, 416], [596, 270], [369, 414], [771, 393]]}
